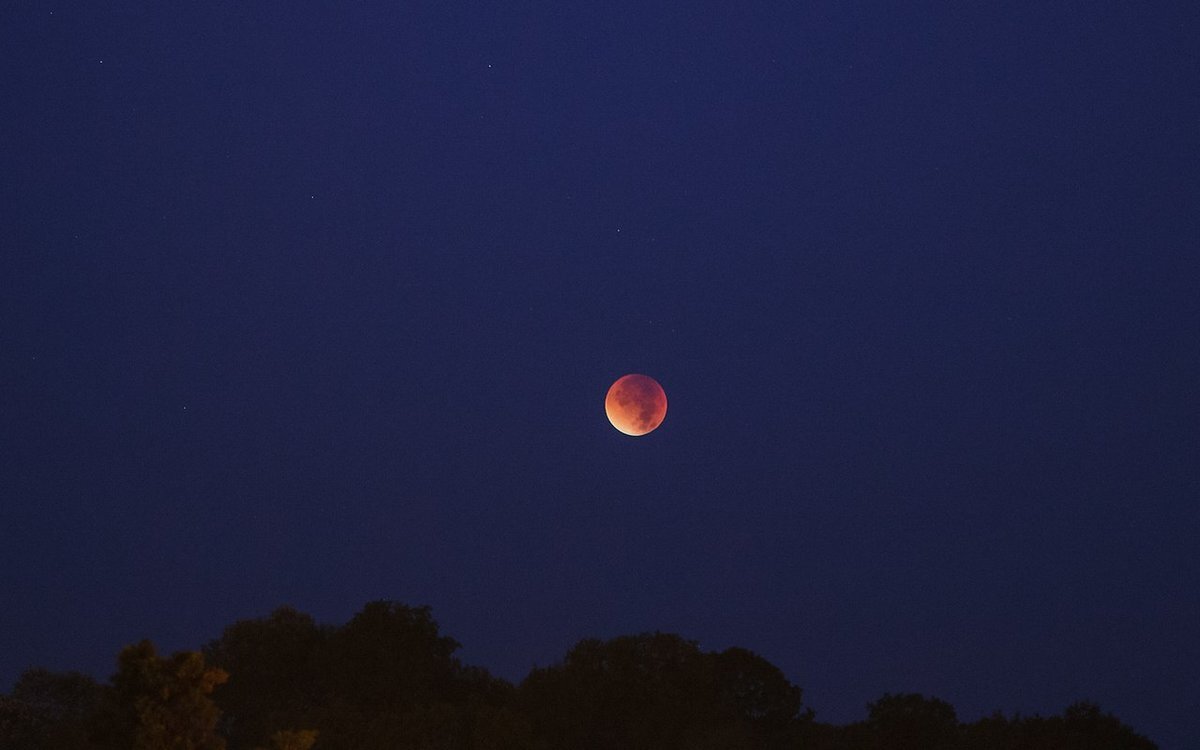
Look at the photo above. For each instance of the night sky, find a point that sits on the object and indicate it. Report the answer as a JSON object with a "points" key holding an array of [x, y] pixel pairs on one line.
{"points": [[316, 304]]}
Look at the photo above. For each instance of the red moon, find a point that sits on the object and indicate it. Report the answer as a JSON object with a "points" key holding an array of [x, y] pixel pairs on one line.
{"points": [[636, 404]]}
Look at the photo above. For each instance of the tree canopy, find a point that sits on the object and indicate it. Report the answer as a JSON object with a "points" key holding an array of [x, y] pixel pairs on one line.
{"points": [[389, 679]]}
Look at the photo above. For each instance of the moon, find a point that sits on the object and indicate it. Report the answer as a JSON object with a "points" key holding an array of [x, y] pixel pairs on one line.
{"points": [[636, 404]]}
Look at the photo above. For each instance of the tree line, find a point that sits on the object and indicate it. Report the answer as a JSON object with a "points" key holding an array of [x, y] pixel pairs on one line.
{"points": [[388, 679]]}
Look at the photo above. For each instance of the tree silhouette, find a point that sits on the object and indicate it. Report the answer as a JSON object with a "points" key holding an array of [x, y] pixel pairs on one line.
{"points": [[1082, 726], [391, 654], [661, 691], [909, 721], [49, 710], [298, 740], [385, 679], [279, 670], [161, 703], [389, 680]]}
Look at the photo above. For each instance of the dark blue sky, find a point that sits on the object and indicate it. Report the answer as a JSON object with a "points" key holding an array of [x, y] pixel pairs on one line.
{"points": [[316, 304]]}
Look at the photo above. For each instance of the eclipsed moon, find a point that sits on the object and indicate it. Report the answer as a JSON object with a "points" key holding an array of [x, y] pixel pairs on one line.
{"points": [[635, 404]]}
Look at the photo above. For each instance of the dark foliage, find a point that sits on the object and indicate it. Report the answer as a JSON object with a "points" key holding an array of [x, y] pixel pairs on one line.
{"points": [[899, 722], [911, 722], [151, 703], [49, 710], [386, 679], [159, 703], [389, 679], [659, 690]]}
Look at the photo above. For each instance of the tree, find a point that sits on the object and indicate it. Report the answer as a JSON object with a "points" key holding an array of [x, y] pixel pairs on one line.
{"points": [[49, 710], [279, 675], [391, 654], [302, 739], [909, 721], [18, 724], [163, 703], [1082, 726], [757, 694], [995, 732], [659, 690], [388, 678]]}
